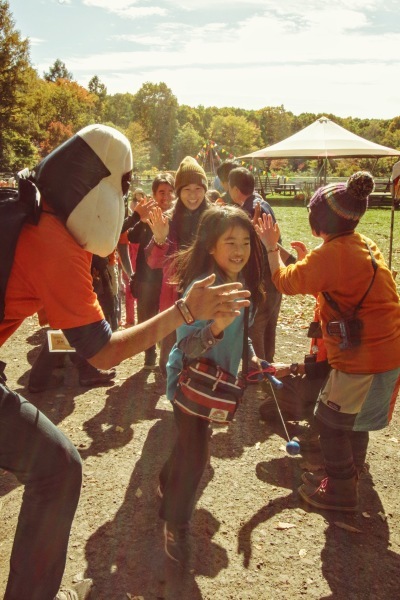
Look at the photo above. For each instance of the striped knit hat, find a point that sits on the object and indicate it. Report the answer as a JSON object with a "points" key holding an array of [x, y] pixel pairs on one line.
{"points": [[342, 203]]}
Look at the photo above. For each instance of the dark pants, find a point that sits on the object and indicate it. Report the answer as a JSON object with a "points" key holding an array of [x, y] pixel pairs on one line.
{"points": [[344, 451], [43, 367], [47, 361], [50, 468], [181, 474], [148, 303], [263, 331]]}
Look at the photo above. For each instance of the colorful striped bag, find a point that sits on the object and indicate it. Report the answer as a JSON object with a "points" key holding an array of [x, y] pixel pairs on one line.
{"points": [[207, 391]]}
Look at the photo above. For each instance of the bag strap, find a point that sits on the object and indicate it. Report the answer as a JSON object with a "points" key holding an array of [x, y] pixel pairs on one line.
{"points": [[245, 352], [334, 304], [245, 349]]}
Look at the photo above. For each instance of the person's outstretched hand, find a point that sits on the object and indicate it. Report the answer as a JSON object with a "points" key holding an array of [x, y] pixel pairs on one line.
{"points": [[211, 302], [300, 248]]}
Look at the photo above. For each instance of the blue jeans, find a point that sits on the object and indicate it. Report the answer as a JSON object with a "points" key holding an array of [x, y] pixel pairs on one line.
{"points": [[50, 468], [263, 330]]}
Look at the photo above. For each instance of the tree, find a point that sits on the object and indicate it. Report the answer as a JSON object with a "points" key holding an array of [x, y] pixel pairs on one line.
{"points": [[187, 143], [58, 71], [15, 70], [57, 133], [275, 124], [155, 108], [188, 114], [56, 109], [235, 133], [118, 109], [140, 147], [96, 87], [99, 90]]}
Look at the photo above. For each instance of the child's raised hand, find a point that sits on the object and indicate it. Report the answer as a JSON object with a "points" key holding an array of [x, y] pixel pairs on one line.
{"points": [[268, 231], [257, 213], [300, 248], [159, 225]]}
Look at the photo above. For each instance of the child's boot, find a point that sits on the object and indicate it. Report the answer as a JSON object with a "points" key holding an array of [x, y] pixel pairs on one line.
{"points": [[332, 494]]}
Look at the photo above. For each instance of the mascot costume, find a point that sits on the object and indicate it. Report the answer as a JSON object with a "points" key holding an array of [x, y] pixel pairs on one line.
{"points": [[69, 206]]}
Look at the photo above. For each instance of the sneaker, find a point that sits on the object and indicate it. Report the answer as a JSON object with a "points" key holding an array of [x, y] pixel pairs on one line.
{"points": [[176, 539], [55, 381], [89, 378], [79, 591]]}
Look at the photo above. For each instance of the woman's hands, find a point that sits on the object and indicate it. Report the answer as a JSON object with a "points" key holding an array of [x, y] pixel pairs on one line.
{"points": [[143, 208], [159, 225]]}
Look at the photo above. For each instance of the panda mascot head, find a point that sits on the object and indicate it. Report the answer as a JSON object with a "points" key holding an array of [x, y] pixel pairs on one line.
{"points": [[84, 181]]}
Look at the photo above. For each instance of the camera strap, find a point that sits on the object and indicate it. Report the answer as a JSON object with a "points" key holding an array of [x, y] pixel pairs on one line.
{"points": [[334, 304]]}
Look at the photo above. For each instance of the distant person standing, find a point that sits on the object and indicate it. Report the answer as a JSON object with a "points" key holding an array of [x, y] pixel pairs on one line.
{"points": [[174, 231], [146, 282], [395, 182], [223, 175], [263, 330]]}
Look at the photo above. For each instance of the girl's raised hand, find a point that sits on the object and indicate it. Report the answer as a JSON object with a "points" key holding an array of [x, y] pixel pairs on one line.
{"points": [[268, 231], [159, 225]]}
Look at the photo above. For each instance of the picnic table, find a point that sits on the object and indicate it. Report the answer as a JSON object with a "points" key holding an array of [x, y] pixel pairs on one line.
{"points": [[287, 188]]}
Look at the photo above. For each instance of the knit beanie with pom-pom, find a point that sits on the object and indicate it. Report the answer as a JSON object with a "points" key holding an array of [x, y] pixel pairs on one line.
{"points": [[339, 206]]}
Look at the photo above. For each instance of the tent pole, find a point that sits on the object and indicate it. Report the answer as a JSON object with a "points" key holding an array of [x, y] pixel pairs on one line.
{"points": [[391, 234]]}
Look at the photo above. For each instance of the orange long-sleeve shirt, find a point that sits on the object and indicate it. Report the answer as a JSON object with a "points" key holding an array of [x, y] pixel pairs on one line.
{"points": [[342, 267]]}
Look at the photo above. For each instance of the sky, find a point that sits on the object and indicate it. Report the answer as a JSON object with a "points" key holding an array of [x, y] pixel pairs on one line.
{"points": [[309, 56]]}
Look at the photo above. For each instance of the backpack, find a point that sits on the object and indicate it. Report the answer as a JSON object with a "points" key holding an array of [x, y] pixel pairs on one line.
{"points": [[17, 206]]}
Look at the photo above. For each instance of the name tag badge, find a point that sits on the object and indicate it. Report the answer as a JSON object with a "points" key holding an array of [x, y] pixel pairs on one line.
{"points": [[58, 342]]}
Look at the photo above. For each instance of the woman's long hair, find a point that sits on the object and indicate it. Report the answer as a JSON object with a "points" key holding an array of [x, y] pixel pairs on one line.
{"points": [[184, 222], [196, 260]]}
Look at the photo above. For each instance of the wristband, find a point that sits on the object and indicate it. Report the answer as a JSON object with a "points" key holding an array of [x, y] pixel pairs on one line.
{"points": [[185, 312], [159, 243], [276, 249]]}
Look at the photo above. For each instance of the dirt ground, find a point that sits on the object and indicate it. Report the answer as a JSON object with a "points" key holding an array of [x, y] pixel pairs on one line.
{"points": [[253, 538]]}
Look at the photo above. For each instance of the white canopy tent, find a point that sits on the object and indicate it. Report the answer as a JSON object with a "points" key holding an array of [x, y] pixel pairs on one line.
{"points": [[325, 140]]}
